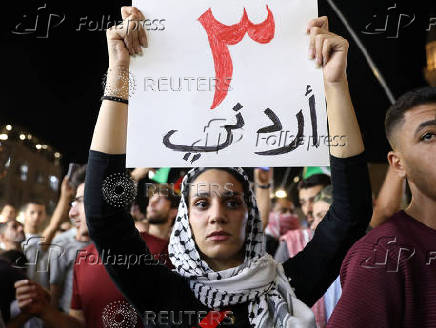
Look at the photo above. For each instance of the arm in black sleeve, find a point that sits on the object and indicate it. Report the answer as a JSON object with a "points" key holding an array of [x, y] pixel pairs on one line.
{"points": [[313, 269], [146, 285]]}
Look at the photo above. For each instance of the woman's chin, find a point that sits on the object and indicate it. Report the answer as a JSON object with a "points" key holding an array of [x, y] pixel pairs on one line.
{"points": [[223, 253]]}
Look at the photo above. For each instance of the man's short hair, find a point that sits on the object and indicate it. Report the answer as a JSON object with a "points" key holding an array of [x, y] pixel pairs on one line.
{"points": [[174, 199], [395, 114], [315, 180], [171, 195], [4, 225], [167, 191], [79, 176], [33, 201]]}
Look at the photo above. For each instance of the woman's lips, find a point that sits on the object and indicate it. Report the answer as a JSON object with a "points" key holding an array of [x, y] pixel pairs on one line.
{"points": [[218, 236]]}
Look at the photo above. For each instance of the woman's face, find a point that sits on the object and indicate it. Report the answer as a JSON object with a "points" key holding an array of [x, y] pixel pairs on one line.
{"points": [[320, 209], [218, 216]]}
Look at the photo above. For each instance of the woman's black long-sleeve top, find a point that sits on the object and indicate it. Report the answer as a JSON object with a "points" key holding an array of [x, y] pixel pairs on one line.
{"points": [[160, 295]]}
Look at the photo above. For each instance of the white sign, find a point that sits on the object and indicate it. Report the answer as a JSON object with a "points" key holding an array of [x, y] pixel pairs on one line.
{"points": [[226, 83]]}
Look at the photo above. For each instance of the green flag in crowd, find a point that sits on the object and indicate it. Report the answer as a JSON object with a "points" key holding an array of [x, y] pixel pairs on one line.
{"points": [[161, 175], [308, 171]]}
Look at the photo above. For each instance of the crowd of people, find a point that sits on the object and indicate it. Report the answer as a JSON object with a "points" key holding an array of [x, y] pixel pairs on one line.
{"points": [[233, 256]]}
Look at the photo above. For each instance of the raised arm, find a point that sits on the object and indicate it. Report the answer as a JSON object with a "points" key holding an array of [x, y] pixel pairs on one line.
{"points": [[60, 213], [123, 41], [317, 266], [262, 184], [146, 286], [330, 51]]}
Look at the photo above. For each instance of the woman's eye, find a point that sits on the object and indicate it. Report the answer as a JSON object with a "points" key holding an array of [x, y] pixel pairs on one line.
{"points": [[233, 203], [201, 204], [427, 137]]}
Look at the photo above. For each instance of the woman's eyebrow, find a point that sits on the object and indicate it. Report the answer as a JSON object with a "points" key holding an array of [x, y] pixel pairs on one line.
{"points": [[225, 194], [229, 193], [202, 194]]}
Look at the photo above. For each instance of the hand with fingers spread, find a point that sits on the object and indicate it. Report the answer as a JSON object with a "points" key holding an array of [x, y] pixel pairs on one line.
{"points": [[32, 298], [328, 49], [126, 39]]}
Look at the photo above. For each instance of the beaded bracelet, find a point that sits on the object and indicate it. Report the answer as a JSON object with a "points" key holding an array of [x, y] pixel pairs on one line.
{"points": [[117, 99]]}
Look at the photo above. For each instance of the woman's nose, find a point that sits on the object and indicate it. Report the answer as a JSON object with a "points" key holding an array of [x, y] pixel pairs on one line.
{"points": [[217, 213]]}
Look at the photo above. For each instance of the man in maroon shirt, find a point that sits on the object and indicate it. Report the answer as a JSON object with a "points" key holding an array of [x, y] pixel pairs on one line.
{"points": [[389, 276]]}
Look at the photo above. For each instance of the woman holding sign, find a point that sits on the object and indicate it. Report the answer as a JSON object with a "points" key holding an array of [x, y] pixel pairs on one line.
{"points": [[223, 275]]}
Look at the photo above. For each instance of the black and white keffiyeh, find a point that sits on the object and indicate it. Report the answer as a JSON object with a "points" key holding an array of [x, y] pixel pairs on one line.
{"points": [[259, 280]]}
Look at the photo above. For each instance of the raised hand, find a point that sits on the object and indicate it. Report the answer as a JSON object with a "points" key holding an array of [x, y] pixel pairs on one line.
{"points": [[263, 177], [126, 39], [67, 190], [328, 49]]}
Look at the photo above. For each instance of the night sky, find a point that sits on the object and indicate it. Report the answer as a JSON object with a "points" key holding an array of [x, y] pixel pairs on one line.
{"points": [[52, 78]]}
